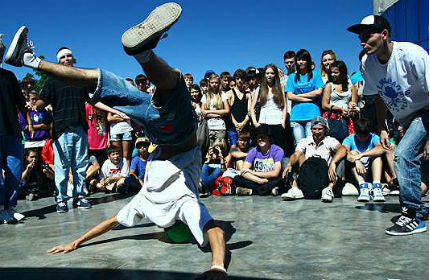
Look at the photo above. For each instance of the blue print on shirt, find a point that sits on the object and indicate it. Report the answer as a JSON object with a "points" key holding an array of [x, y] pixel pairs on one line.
{"points": [[394, 97]]}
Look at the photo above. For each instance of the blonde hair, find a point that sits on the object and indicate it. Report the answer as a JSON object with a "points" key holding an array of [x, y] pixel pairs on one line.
{"points": [[212, 94]]}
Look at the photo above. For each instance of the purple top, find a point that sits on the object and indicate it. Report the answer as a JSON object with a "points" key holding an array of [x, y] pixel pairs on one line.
{"points": [[37, 117], [265, 162]]}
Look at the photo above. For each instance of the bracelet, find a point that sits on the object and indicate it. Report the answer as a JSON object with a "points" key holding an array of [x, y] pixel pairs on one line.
{"points": [[218, 267]]}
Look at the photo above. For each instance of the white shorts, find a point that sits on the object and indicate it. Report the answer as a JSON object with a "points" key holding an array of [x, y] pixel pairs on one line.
{"points": [[170, 193]]}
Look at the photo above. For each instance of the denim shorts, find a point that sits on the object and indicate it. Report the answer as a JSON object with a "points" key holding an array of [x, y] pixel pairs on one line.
{"points": [[173, 123], [121, 137]]}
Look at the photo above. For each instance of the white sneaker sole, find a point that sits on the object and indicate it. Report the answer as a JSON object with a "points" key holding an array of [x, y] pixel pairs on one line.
{"points": [[158, 22], [12, 52], [424, 229], [363, 199]]}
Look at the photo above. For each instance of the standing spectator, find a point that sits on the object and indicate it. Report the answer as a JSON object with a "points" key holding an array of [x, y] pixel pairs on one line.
{"points": [[11, 149], [225, 79], [97, 132], [232, 84], [70, 134], [399, 73], [204, 86], [240, 103], [196, 97], [261, 170], [304, 89], [215, 109], [289, 62], [142, 83], [327, 58], [252, 80], [120, 133], [38, 130], [273, 105], [340, 98], [189, 80]]}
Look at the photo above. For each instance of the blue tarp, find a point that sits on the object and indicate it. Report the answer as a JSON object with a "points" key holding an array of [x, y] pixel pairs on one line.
{"points": [[410, 21]]}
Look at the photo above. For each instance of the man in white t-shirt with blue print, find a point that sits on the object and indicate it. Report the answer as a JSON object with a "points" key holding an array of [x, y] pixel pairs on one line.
{"points": [[398, 72]]}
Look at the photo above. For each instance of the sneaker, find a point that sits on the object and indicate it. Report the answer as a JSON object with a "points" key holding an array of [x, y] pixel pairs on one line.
{"points": [[292, 194], [405, 226], [275, 191], [81, 203], [349, 189], [18, 47], [145, 35], [327, 195], [241, 191], [364, 193], [31, 196], [377, 193], [62, 207], [15, 214], [5, 218]]}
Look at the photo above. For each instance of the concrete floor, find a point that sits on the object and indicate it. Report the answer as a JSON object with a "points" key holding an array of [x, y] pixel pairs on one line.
{"points": [[267, 239]]}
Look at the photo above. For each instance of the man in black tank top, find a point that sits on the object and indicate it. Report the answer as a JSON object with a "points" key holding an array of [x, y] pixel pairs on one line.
{"points": [[239, 102]]}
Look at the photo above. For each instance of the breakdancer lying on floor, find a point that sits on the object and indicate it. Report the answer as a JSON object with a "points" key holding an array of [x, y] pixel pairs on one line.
{"points": [[170, 190]]}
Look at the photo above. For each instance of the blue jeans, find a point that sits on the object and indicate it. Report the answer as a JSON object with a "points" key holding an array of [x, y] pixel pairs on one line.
{"points": [[301, 129], [173, 123], [209, 175], [11, 155], [70, 152], [407, 164]]}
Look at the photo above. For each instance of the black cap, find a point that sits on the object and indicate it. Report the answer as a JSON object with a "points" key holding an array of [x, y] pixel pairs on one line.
{"points": [[371, 22]]}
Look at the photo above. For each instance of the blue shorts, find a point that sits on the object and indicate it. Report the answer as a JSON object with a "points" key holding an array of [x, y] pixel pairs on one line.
{"points": [[173, 123]]}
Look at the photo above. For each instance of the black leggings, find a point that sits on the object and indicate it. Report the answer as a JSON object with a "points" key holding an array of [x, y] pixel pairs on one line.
{"points": [[257, 189]]}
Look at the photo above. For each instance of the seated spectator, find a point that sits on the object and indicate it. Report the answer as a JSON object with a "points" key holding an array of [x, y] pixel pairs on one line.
{"points": [[261, 170], [38, 128], [365, 154], [318, 145], [237, 155], [114, 171], [92, 174], [138, 164], [37, 178], [214, 166]]}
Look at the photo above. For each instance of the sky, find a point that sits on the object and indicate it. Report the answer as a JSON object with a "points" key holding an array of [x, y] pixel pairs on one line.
{"points": [[219, 35]]}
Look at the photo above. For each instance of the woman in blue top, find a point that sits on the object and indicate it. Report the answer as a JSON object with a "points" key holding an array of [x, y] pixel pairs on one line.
{"points": [[304, 89]]}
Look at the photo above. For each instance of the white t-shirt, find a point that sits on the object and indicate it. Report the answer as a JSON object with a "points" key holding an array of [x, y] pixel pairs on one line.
{"points": [[325, 149], [215, 123], [120, 127], [271, 113], [114, 170], [403, 82]]}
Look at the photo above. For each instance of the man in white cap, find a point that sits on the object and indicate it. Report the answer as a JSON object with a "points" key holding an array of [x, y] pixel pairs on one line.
{"points": [[399, 73], [170, 190]]}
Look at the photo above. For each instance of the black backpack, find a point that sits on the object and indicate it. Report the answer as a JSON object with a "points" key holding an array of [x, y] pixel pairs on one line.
{"points": [[313, 177]]}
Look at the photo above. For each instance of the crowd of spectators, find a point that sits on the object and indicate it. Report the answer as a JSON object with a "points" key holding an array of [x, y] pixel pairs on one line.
{"points": [[306, 132]]}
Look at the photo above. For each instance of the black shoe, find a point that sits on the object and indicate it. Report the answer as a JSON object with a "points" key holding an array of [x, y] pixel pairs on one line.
{"points": [[145, 35], [406, 226]]}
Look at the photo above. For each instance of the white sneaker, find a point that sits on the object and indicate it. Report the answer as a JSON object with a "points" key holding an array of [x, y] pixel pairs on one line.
{"points": [[292, 194], [5, 218], [275, 191], [145, 35], [15, 214], [377, 193], [349, 189], [364, 193], [327, 195]]}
